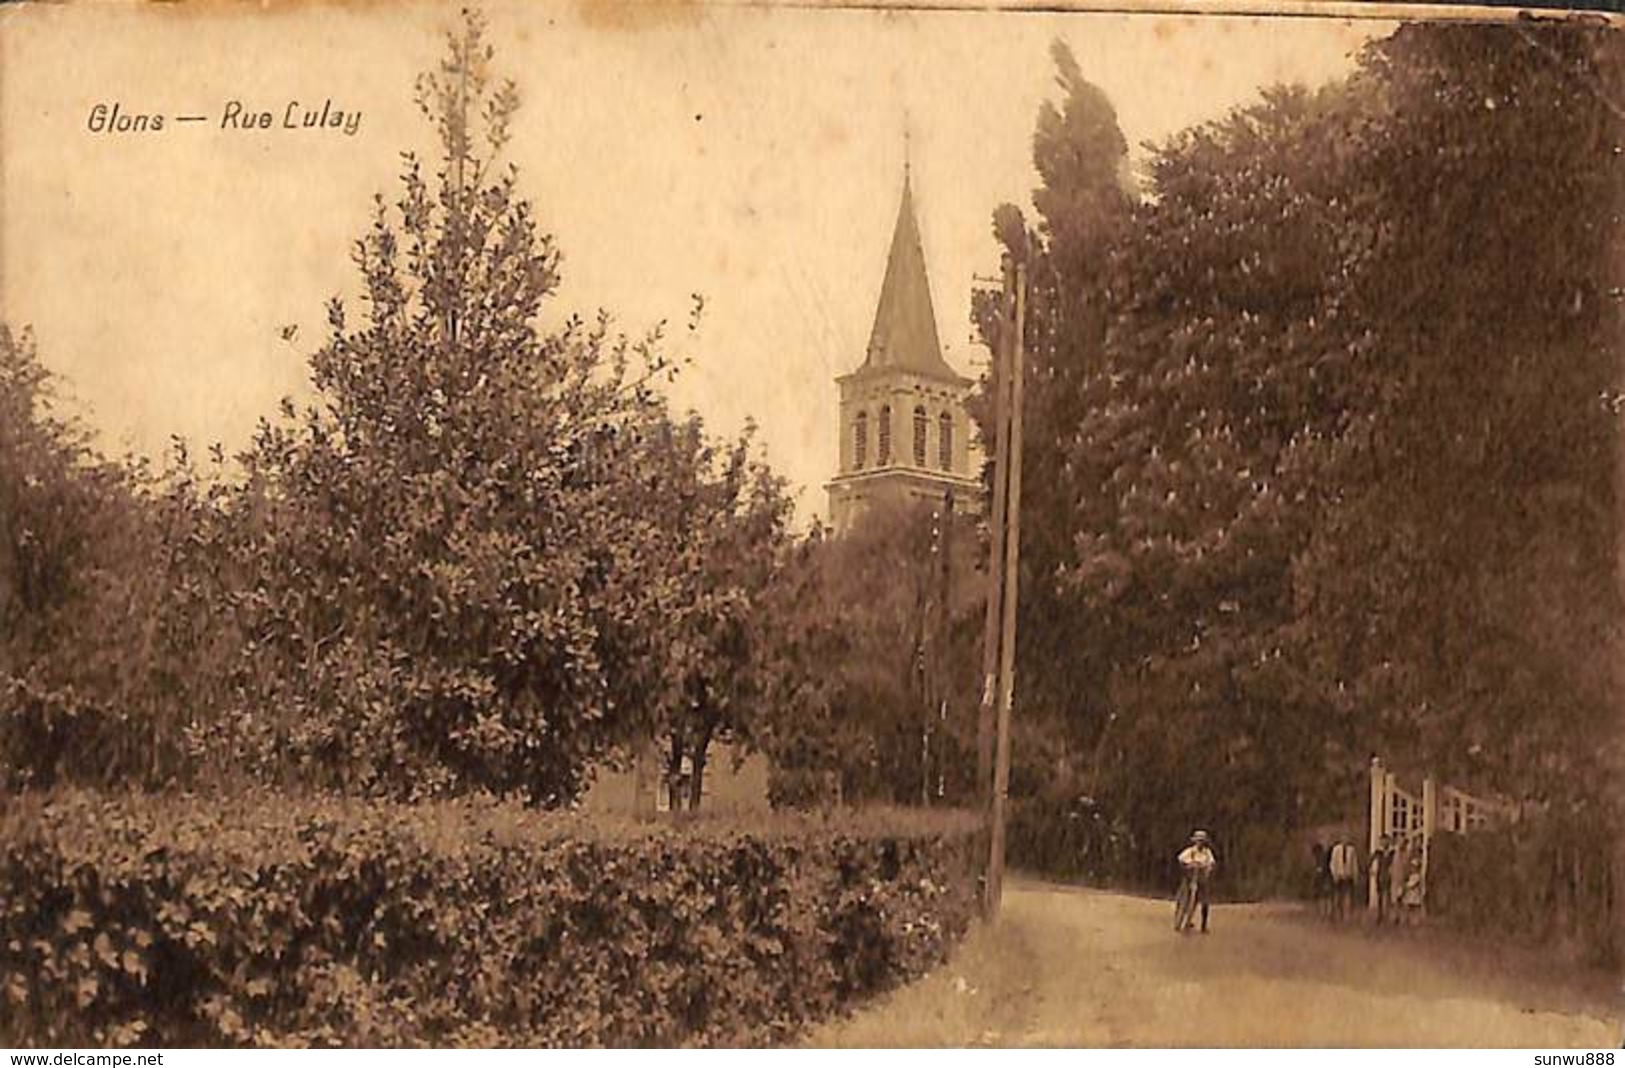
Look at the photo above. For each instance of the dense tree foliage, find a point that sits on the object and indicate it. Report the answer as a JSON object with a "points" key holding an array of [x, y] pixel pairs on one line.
{"points": [[720, 543], [1330, 407], [494, 557], [1320, 462], [105, 637], [488, 556], [871, 633], [58, 510]]}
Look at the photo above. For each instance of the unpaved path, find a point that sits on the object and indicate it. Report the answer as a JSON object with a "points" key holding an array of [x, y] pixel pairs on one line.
{"points": [[1073, 967]]}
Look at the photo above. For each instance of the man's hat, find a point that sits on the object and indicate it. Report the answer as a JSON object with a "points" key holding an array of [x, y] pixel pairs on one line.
{"points": [[1199, 836]]}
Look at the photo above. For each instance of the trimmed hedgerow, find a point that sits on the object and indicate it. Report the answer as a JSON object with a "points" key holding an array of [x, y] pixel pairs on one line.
{"points": [[1541, 880], [268, 920]]}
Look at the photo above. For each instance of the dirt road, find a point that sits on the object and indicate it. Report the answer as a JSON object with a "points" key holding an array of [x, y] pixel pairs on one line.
{"points": [[1073, 967]]}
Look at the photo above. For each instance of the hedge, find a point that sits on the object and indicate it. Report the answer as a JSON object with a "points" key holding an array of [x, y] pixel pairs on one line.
{"points": [[1543, 881], [271, 921]]}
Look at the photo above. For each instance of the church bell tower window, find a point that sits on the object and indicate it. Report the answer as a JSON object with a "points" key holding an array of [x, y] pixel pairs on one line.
{"points": [[860, 441], [920, 425], [885, 435], [945, 441]]}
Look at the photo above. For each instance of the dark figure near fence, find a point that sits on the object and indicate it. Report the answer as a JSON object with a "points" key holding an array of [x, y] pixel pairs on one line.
{"points": [[1320, 885], [1382, 868], [1345, 865]]}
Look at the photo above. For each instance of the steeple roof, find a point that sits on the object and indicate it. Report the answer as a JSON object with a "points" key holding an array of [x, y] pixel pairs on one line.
{"points": [[904, 337]]}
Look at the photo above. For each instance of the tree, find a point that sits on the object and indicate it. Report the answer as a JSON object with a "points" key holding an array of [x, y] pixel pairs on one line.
{"points": [[57, 504], [1084, 203], [1488, 467], [487, 557], [106, 652], [1328, 467], [862, 647], [722, 521], [464, 567]]}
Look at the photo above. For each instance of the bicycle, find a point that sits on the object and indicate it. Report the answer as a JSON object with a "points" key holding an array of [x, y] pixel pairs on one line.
{"points": [[1185, 901], [1191, 893]]}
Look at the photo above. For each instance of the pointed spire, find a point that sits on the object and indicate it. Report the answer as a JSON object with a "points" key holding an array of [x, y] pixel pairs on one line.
{"points": [[904, 337]]}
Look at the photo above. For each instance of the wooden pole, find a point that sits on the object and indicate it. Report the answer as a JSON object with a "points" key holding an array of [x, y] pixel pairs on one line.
{"points": [[1012, 562], [1377, 822], [995, 560], [1616, 899], [919, 683], [944, 632], [928, 662]]}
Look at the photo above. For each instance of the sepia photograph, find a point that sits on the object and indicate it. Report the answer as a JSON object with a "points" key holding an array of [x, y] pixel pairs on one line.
{"points": [[648, 525]]}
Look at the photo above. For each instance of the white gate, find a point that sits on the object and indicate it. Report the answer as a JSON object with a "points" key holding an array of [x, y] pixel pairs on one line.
{"points": [[1411, 820]]}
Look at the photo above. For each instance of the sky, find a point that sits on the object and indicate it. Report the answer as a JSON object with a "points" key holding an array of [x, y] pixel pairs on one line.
{"points": [[752, 155]]}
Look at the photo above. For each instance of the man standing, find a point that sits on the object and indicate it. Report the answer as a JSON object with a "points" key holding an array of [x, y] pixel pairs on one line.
{"points": [[1345, 865], [1196, 864], [1382, 872]]}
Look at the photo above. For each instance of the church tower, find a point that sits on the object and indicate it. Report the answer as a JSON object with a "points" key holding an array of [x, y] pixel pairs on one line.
{"points": [[904, 432]]}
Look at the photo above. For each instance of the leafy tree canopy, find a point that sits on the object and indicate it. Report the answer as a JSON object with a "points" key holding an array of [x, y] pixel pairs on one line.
{"points": [[1327, 418]]}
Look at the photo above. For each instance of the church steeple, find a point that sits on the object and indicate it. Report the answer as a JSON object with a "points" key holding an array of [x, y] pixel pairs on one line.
{"points": [[905, 435], [904, 337]]}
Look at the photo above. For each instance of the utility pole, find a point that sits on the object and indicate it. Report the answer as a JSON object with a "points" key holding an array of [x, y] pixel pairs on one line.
{"points": [[995, 562], [919, 680], [1010, 588], [932, 617], [944, 633], [1618, 901]]}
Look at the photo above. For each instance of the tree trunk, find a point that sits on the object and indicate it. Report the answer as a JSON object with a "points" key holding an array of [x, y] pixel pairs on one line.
{"points": [[645, 781], [674, 774], [696, 782]]}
